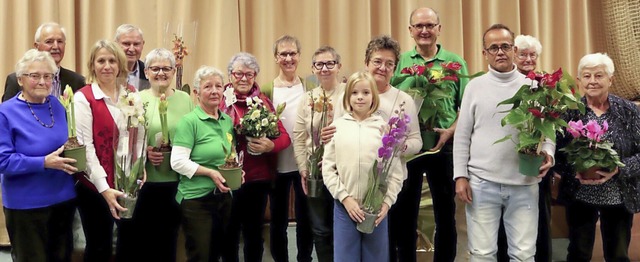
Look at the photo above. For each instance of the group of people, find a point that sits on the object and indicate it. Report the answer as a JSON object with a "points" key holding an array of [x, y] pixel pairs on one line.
{"points": [[508, 214]]}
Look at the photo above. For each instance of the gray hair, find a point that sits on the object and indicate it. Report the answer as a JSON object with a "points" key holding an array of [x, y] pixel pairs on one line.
{"points": [[245, 59], [526, 41], [33, 55], [286, 39], [127, 28], [203, 72], [159, 54], [594, 60], [47, 25]]}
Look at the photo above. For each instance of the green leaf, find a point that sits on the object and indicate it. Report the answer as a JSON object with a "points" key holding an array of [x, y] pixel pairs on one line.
{"points": [[585, 153], [502, 139]]}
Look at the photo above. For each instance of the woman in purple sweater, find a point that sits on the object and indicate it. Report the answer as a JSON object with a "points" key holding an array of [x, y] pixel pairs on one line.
{"points": [[37, 187]]}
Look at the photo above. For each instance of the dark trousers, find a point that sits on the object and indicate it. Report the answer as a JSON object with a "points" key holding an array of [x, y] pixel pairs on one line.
{"points": [[321, 216], [156, 220], [404, 214], [543, 243], [279, 203], [205, 221], [615, 226], [41, 234], [247, 216]]}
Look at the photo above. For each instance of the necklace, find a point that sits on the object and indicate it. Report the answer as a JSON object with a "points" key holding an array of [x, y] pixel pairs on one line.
{"points": [[53, 121], [287, 83]]}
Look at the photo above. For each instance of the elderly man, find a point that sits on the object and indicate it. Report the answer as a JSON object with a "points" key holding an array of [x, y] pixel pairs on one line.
{"points": [[490, 183], [131, 40], [425, 28], [49, 37]]}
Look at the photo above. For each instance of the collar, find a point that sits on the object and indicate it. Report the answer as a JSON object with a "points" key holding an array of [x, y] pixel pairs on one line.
{"points": [[204, 116], [135, 69], [505, 76], [97, 92], [414, 54]]}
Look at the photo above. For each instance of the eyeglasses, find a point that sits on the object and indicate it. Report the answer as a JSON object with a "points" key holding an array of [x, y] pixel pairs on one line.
{"points": [[240, 75], [329, 64], [284, 55], [421, 27], [378, 63], [36, 77], [156, 70], [524, 56], [495, 48]]}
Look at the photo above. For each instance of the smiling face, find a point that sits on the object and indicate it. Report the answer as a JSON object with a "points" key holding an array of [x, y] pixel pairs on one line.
{"points": [[132, 44], [287, 57], [595, 82], [242, 78], [105, 67], [381, 66], [324, 74], [210, 92], [52, 40], [526, 60], [36, 90], [499, 50], [425, 27], [160, 73]]}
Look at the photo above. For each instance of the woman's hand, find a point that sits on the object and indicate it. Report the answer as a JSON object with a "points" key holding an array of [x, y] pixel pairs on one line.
{"points": [[55, 161], [111, 196], [303, 180], [383, 213], [155, 157], [260, 145], [220, 182], [353, 208], [604, 177], [326, 133]]}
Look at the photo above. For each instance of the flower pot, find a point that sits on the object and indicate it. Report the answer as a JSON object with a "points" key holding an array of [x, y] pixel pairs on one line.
{"points": [[314, 187], [590, 173], [80, 155], [429, 139], [249, 139], [129, 203], [368, 224], [165, 166], [529, 165], [232, 176]]}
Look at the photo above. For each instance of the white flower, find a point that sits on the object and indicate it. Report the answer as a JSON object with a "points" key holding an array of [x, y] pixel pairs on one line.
{"points": [[249, 102], [255, 114], [258, 127], [229, 96], [265, 122], [257, 100]]}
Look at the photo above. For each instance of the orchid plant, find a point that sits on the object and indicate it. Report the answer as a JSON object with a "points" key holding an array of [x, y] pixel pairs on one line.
{"points": [[536, 110], [130, 153], [588, 149], [322, 105], [392, 143], [259, 121]]}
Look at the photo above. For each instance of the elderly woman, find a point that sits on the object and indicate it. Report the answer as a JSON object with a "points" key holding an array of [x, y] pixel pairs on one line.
{"points": [[198, 143], [288, 88], [250, 200], [37, 186], [528, 50], [326, 66], [97, 202], [615, 196], [158, 237]]}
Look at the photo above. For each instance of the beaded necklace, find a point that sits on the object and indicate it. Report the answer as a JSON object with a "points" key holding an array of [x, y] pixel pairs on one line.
{"points": [[53, 121]]}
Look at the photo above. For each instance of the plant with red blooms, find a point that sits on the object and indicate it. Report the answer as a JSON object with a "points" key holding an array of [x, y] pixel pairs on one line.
{"points": [[429, 84], [537, 108]]}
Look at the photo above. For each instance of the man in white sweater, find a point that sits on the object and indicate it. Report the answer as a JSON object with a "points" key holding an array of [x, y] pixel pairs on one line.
{"points": [[486, 174]]}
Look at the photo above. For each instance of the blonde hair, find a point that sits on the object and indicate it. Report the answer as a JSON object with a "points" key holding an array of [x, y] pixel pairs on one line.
{"points": [[351, 83], [113, 48]]}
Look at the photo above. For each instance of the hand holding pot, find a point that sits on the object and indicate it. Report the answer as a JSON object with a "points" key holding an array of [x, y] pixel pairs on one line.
{"points": [[54, 161], [155, 157]]}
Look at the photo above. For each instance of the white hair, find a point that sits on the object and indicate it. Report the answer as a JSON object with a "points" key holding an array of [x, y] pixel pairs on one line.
{"points": [[203, 72], [594, 60], [33, 55], [127, 28], [244, 59], [47, 25], [159, 54], [526, 41]]}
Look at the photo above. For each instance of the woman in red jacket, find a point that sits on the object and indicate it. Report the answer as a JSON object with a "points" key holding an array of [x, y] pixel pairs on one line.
{"points": [[249, 202]]}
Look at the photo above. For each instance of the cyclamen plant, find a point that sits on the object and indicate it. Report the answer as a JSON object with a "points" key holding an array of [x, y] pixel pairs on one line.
{"points": [[392, 143], [588, 150]]}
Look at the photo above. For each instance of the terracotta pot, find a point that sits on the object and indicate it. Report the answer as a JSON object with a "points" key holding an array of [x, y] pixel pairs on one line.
{"points": [[590, 173], [368, 224]]}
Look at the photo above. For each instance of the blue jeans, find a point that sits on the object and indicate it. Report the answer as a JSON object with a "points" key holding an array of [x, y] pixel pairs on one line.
{"points": [[518, 206], [350, 245]]}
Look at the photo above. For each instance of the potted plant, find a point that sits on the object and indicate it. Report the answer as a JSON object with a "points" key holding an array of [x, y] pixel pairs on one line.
{"points": [[322, 105], [535, 113], [588, 152], [73, 148], [392, 143], [430, 88], [165, 144], [231, 170], [180, 52], [259, 121], [130, 155]]}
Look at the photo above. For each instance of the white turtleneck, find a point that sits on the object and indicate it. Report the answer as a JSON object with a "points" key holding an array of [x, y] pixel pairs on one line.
{"points": [[474, 151]]}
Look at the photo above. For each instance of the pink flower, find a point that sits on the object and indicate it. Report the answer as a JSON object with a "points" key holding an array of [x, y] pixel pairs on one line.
{"points": [[413, 70], [575, 128], [452, 66], [593, 130]]}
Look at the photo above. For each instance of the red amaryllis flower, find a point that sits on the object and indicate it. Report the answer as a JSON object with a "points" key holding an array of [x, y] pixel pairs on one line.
{"points": [[451, 78], [550, 80], [536, 112], [452, 66], [413, 70]]}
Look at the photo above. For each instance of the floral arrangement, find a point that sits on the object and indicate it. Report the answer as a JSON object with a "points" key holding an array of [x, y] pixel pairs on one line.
{"points": [[392, 143], [180, 52], [67, 101], [232, 159], [321, 104], [588, 150], [429, 84], [537, 108], [130, 153], [259, 121]]}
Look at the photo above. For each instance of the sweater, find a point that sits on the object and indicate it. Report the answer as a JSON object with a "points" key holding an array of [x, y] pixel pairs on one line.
{"points": [[479, 126], [349, 157], [24, 143]]}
